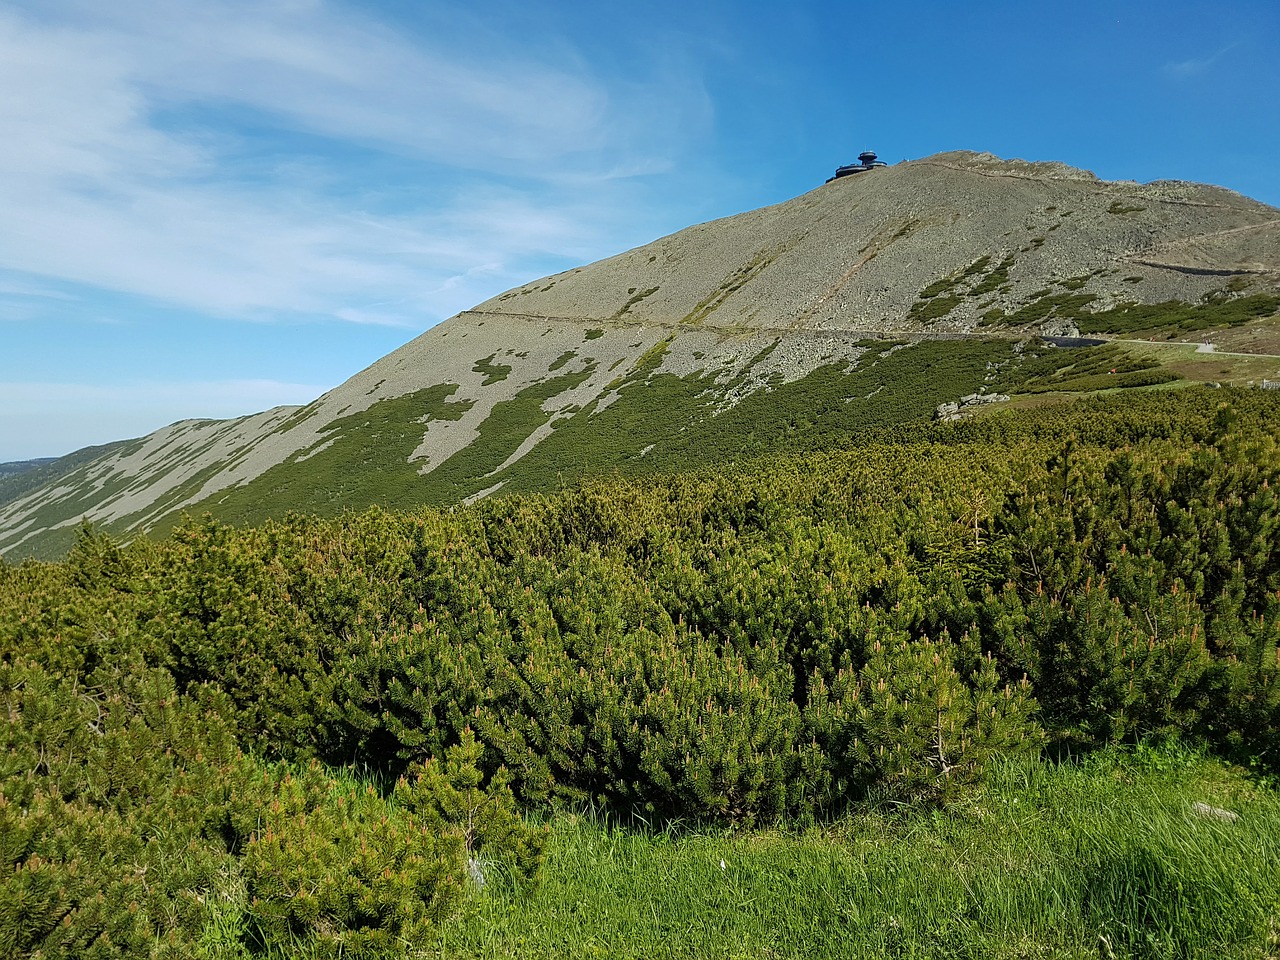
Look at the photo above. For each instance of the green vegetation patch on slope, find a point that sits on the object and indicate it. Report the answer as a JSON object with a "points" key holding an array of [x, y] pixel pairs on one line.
{"points": [[1177, 317], [1076, 283], [1217, 309], [15, 467], [1038, 309], [661, 422], [1082, 370], [508, 425], [16, 483], [366, 462], [561, 360], [942, 296], [636, 297], [493, 372], [79, 491], [994, 280], [658, 422], [297, 418], [933, 308], [731, 285]]}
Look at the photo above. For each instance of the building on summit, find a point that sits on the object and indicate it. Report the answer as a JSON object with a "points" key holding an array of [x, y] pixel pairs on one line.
{"points": [[866, 161]]}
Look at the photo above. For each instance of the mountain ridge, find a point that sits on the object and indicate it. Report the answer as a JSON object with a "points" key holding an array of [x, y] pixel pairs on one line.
{"points": [[820, 293]]}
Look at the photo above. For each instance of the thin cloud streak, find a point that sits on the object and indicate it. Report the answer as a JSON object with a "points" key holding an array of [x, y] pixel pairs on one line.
{"points": [[1187, 69], [117, 176], [334, 72]]}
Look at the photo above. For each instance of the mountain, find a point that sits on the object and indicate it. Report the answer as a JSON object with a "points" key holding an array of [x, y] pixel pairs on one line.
{"points": [[878, 298]]}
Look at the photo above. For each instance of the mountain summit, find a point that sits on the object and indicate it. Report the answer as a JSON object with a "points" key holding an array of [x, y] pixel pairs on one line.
{"points": [[871, 299], [856, 253]]}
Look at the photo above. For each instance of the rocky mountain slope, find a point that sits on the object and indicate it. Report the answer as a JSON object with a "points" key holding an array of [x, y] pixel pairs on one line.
{"points": [[870, 300], [856, 253]]}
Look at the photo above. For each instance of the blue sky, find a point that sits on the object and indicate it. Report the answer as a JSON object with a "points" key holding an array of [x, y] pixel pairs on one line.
{"points": [[209, 208]]}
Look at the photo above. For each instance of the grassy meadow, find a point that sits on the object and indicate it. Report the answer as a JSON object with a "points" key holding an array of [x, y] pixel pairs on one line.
{"points": [[1101, 858]]}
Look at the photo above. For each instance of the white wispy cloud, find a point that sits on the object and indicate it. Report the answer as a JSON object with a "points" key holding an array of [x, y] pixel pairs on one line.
{"points": [[120, 169], [335, 71], [1197, 66]]}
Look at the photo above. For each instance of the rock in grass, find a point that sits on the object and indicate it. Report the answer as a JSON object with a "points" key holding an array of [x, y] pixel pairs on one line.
{"points": [[1202, 809]]}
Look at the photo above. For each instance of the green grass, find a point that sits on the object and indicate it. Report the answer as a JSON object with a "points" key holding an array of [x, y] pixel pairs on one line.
{"points": [[1103, 858]]}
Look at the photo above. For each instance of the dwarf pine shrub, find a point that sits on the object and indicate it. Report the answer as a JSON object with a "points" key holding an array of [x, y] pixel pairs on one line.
{"points": [[332, 871], [910, 725], [109, 812], [453, 794]]}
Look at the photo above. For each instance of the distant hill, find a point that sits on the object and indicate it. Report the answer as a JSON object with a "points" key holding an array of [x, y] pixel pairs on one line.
{"points": [[881, 298], [17, 477], [14, 467]]}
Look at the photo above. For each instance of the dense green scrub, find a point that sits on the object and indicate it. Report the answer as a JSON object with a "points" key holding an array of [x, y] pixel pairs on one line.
{"points": [[799, 639], [1220, 308], [655, 423]]}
